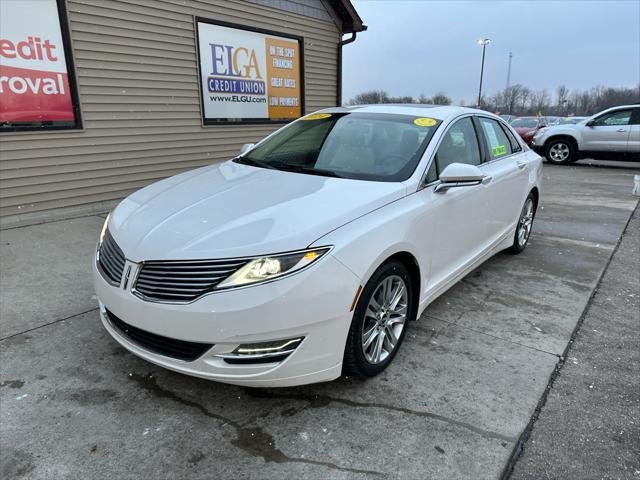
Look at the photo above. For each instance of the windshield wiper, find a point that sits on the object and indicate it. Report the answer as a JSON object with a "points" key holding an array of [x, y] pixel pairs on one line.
{"points": [[254, 163], [286, 167], [310, 170]]}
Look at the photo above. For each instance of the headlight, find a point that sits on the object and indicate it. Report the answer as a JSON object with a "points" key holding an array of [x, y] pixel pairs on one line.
{"points": [[104, 229], [541, 131], [266, 268]]}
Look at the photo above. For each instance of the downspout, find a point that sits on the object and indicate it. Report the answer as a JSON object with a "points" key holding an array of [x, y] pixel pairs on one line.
{"points": [[340, 45]]}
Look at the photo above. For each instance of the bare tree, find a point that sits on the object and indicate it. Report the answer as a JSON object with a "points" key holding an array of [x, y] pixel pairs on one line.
{"points": [[562, 93], [539, 103], [525, 94], [370, 97], [518, 99], [511, 97], [440, 99]]}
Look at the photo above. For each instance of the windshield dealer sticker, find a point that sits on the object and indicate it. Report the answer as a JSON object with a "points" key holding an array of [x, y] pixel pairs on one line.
{"points": [[316, 116], [425, 122], [499, 150]]}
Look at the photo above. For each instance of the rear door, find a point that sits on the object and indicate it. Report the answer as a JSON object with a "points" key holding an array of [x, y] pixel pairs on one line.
{"points": [[633, 144], [507, 176], [608, 133]]}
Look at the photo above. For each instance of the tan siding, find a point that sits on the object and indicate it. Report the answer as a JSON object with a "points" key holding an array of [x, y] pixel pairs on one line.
{"points": [[137, 72]]}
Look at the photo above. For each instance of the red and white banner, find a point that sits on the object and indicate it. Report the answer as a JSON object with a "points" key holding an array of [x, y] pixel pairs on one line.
{"points": [[34, 83]]}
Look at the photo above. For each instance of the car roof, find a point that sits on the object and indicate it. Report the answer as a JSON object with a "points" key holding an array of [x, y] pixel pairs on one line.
{"points": [[440, 112]]}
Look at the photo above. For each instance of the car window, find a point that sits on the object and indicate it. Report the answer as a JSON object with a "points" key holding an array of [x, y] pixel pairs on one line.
{"points": [[497, 141], [459, 145], [621, 117], [515, 145], [363, 146], [525, 123], [635, 118]]}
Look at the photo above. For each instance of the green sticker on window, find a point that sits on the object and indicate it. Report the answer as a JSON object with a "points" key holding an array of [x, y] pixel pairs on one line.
{"points": [[499, 150]]}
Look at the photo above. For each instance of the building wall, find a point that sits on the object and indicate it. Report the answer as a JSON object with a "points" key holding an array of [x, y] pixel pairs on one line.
{"points": [[137, 76]]}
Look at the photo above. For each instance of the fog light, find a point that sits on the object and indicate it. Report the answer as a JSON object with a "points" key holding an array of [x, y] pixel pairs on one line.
{"points": [[263, 352]]}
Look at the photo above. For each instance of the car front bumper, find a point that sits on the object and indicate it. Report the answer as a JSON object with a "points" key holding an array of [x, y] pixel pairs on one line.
{"points": [[314, 303]]}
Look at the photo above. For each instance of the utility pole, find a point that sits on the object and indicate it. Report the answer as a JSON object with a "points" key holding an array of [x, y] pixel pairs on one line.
{"points": [[506, 90], [484, 42], [509, 71]]}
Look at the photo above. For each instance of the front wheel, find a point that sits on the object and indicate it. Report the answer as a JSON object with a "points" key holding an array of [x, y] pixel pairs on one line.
{"points": [[525, 223], [560, 152], [380, 321]]}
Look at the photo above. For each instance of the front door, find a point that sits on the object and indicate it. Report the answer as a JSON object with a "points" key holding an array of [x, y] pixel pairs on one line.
{"points": [[454, 227], [608, 132]]}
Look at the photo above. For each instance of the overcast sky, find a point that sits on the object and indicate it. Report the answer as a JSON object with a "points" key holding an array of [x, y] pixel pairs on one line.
{"points": [[416, 46]]}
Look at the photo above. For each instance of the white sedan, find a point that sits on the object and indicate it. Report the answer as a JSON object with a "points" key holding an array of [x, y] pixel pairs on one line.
{"points": [[309, 254]]}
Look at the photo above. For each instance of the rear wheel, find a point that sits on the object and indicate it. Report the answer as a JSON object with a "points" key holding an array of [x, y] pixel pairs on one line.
{"points": [[525, 223], [560, 151], [380, 321]]}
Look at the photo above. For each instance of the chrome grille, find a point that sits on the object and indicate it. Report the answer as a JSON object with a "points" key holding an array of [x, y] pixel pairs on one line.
{"points": [[182, 281], [111, 259]]}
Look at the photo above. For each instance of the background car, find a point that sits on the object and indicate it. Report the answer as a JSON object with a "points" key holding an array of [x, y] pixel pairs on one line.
{"points": [[613, 134], [528, 126], [552, 120]]}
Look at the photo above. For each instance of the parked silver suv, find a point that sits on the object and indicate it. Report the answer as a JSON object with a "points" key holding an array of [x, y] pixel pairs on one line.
{"points": [[613, 134]]}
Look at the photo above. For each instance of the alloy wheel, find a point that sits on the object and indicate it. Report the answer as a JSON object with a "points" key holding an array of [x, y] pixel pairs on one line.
{"points": [[385, 319], [525, 223], [559, 152]]}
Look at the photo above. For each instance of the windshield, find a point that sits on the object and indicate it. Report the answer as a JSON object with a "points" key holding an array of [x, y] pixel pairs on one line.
{"points": [[363, 146], [525, 123]]}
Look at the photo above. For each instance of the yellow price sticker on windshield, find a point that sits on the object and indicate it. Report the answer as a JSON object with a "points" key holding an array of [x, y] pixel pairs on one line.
{"points": [[499, 150], [425, 122], [316, 116]]}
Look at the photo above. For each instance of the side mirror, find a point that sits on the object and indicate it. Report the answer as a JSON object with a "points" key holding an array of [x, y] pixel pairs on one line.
{"points": [[459, 175], [591, 123], [246, 147]]}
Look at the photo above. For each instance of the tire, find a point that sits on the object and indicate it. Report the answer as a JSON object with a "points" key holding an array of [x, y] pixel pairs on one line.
{"points": [[365, 361], [560, 151], [525, 224]]}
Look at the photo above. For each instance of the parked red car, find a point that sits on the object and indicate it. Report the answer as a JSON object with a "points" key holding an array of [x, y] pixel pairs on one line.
{"points": [[528, 126]]}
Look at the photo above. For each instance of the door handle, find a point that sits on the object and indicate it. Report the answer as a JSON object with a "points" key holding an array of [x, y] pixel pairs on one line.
{"points": [[622, 130], [487, 179], [520, 164]]}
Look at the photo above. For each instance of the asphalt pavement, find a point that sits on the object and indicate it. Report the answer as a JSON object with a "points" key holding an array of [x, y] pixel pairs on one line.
{"points": [[589, 426], [457, 402]]}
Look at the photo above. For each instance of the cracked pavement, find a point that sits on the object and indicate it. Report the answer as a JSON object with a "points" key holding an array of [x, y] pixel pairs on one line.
{"points": [[454, 403]]}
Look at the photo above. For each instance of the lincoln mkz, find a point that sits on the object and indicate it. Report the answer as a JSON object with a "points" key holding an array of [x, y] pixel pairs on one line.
{"points": [[309, 254]]}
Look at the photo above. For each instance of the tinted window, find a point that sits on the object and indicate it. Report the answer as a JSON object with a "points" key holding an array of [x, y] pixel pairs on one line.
{"points": [[621, 117], [497, 141], [365, 146], [635, 118], [459, 145]]}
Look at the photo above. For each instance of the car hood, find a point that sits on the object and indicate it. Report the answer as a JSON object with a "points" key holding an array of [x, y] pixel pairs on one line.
{"points": [[523, 130], [233, 210]]}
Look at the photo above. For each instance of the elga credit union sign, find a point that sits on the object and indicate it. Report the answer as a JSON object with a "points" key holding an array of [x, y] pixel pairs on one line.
{"points": [[34, 82], [248, 75]]}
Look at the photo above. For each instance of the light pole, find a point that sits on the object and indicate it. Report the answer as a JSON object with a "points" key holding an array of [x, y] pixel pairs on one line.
{"points": [[484, 42]]}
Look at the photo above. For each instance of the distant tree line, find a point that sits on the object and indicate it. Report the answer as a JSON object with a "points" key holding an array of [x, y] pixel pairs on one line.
{"points": [[520, 100], [381, 96]]}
